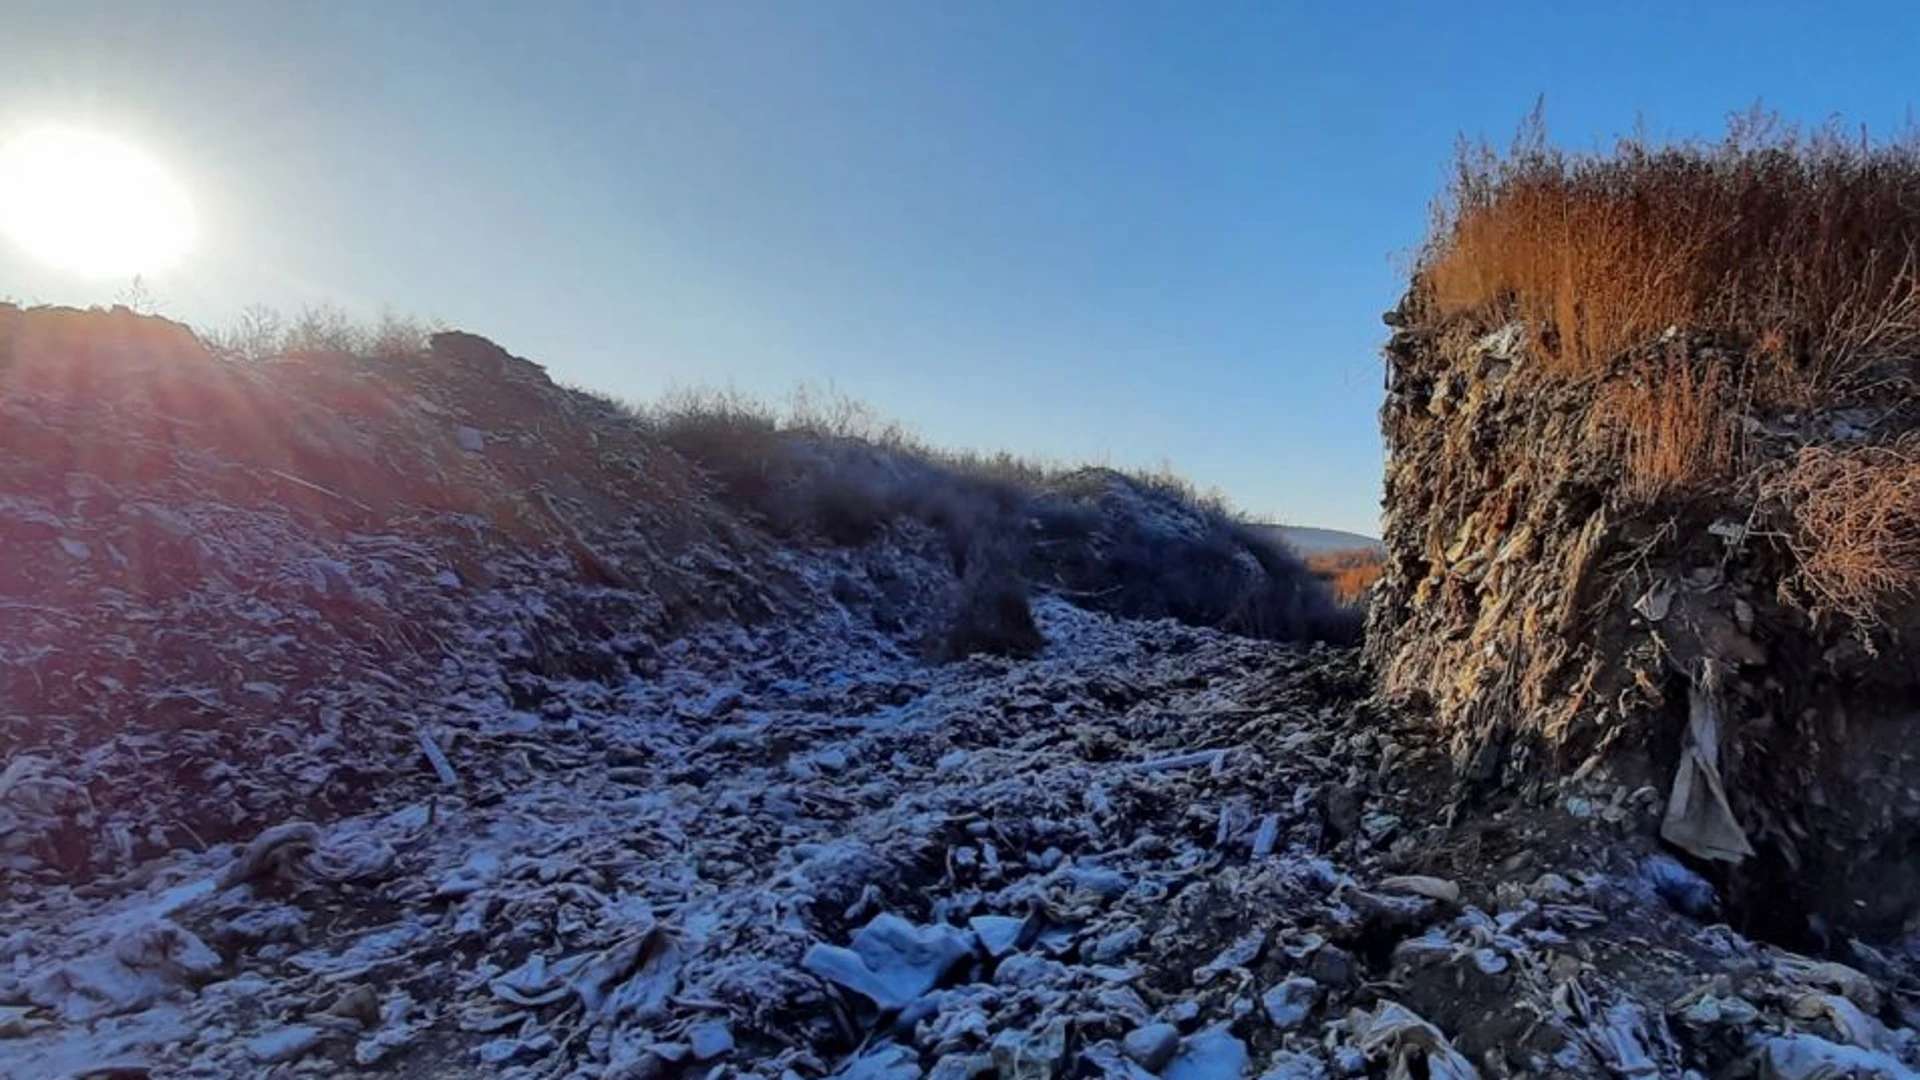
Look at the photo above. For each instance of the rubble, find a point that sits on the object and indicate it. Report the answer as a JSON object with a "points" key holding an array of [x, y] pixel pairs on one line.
{"points": [[727, 825]]}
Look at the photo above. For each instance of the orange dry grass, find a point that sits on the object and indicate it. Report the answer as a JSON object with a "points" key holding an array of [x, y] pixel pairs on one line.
{"points": [[1349, 574], [1671, 426], [1856, 516], [1802, 247]]}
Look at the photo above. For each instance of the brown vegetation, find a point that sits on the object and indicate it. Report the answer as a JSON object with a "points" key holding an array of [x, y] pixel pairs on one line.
{"points": [[1799, 248], [1349, 574], [1856, 514], [1694, 286], [1669, 423]]}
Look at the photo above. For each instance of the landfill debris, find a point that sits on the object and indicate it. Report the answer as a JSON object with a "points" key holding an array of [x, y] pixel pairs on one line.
{"points": [[892, 962], [1152, 1045], [1213, 1054], [1707, 617], [707, 812]]}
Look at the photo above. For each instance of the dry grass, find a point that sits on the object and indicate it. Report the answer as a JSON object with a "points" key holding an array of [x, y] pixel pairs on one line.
{"points": [[743, 424], [1671, 426], [1348, 574], [1800, 247], [1856, 515], [262, 333]]}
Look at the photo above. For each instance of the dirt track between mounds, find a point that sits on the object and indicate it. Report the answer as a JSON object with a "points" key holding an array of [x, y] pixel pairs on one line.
{"points": [[1036, 863]]}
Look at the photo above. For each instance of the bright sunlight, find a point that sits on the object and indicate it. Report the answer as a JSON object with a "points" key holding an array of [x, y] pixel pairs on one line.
{"points": [[91, 204]]}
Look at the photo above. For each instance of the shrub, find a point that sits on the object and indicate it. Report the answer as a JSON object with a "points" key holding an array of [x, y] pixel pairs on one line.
{"points": [[262, 333], [993, 614], [1856, 514], [1800, 248], [1138, 545]]}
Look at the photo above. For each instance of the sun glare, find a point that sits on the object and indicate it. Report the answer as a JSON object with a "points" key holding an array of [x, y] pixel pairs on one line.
{"points": [[90, 204]]}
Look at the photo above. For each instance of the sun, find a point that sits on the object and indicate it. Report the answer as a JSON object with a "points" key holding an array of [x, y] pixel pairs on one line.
{"points": [[91, 204]]}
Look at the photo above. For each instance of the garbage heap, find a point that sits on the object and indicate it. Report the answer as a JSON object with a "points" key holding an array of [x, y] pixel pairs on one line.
{"points": [[1653, 502], [226, 581], [237, 589]]}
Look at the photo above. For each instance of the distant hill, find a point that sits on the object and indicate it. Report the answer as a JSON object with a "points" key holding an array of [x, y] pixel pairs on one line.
{"points": [[1310, 541]]}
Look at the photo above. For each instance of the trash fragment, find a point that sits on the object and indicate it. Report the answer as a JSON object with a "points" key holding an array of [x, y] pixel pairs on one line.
{"points": [[1152, 1045], [285, 1044], [1290, 1002], [891, 961], [1395, 1033], [1698, 817], [1432, 888], [1213, 1054], [1030, 1055]]}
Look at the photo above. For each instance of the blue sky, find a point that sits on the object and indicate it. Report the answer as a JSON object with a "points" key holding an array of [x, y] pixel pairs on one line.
{"points": [[1130, 232]]}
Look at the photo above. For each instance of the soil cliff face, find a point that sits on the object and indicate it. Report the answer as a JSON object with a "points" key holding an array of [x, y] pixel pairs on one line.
{"points": [[1640, 574]]}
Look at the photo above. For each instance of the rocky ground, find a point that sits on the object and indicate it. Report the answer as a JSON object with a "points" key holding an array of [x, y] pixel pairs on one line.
{"points": [[799, 851], [417, 717]]}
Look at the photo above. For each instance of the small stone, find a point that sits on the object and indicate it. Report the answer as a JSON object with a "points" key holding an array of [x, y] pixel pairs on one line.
{"points": [[285, 1044], [1331, 966], [1116, 946], [1552, 888], [998, 934], [1241, 953], [710, 1039], [1290, 1003], [1152, 1046], [1028, 970], [361, 1003], [1101, 881]]}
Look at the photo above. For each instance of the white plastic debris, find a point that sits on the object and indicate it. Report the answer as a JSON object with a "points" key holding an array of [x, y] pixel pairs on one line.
{"points": [[891, 962]]}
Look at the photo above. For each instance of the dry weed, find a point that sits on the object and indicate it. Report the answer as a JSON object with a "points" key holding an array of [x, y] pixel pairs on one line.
{"points": [[1671, 427], [1856, 516], [1800, 247]]}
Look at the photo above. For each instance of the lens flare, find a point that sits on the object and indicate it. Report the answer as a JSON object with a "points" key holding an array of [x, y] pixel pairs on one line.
{"points": [[91, 205]]}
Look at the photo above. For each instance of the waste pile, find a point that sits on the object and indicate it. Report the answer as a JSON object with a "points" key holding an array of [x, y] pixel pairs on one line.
{"points": [[522, 776], [1152, 851], [1653, 507], [210, 557]]}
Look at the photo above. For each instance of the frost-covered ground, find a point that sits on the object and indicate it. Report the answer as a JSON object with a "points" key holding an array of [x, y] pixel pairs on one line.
{"points": [[416, 717], [799, 850]]}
